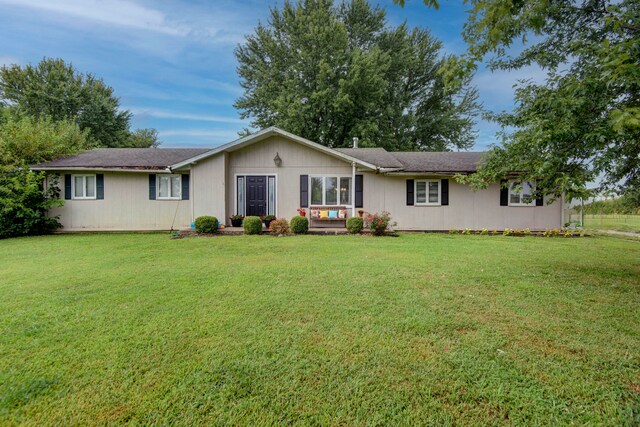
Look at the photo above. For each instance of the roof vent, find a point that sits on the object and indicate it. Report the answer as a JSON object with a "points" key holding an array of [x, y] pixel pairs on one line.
{"points": [[355, 142]]}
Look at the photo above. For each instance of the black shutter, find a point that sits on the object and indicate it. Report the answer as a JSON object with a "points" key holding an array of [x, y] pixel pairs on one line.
{"points": [[444, 192], [67, 187], [410, 187], [540, 200], [100, 186], [152, 186], [304, 191], [185, 187], [504, 193], [359, 192]]}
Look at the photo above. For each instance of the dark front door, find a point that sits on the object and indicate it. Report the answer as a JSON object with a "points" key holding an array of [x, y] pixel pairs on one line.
{"points": [[256, 195]]}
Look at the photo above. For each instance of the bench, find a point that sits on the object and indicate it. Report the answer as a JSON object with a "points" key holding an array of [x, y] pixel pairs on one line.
{"points": [[328, 222]]}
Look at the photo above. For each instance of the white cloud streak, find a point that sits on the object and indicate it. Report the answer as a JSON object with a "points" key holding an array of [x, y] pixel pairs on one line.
{"points": [[114, 12], [163, 114]]}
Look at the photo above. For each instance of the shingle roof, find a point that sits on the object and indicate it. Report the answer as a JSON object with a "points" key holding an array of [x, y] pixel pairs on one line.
{"points": [[417, 161], [125, 158], [440, 161], [376, 156]]}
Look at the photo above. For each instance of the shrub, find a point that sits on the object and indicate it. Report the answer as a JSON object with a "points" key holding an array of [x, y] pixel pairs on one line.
{"points": [[380, 223], [24, 203], [466, 232], [355, 224], [453, 231], [299, 225], [279, 226], [252, 225], [206, 224], [484, 232]]}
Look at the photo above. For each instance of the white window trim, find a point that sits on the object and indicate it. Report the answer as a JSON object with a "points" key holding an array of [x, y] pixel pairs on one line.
{"points": [[172, 197], [427, 203], [324, 194], [532, 203], [84, 187]]}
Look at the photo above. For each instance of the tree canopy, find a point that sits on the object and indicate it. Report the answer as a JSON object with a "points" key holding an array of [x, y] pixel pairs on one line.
{"points": [[583, 123], [332, 72], [55, 89], [24, 140]]}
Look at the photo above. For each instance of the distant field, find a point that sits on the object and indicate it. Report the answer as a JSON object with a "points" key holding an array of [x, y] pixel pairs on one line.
{"points": [[613, 222], [319, 330]]}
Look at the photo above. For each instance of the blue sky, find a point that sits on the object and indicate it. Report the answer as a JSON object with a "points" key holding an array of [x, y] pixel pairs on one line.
{"points": [[172, 63]]}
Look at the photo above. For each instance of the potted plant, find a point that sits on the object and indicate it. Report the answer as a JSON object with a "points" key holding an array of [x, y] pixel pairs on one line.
{"points": [[236, 220], [302, 212], [360, 212], [266, 219]]}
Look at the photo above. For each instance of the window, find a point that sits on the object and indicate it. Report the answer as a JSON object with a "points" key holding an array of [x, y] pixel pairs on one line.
{"points": [[271, 205], [519, 193], [169, 187], [330, 190], [427, 192], [240, 195], [84, 186]]}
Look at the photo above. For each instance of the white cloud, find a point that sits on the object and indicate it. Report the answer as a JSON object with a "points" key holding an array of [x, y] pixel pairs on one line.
{"points": [[8, 60], [113, 12], [163, 114], [200, 133]]}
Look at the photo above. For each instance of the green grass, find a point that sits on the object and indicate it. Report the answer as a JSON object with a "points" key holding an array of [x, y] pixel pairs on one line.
{"points": [[613, 222], [323, 330]]}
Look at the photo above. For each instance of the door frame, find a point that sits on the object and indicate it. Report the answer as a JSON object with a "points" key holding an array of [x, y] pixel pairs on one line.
{"points": [[245, 174]]}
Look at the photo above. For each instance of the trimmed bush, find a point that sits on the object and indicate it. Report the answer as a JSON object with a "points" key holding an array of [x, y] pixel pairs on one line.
{"points": [[299, 225], [355, 224], [279, 226], [380, 223], [206, 224], [252, 225]]}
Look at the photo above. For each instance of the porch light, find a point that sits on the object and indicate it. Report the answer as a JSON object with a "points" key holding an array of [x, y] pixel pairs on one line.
{"points": [[277, 160]]}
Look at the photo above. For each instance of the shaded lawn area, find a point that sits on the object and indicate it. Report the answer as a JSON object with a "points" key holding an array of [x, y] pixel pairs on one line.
{"points": [[613, 222], [331, 330]]}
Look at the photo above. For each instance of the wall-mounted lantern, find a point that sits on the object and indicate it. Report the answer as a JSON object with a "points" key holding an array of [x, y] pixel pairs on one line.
{"points": [[277, 160]]}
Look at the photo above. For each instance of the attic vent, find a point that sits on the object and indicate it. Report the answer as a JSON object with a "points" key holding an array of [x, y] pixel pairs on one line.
{"points": [[355, 142]]}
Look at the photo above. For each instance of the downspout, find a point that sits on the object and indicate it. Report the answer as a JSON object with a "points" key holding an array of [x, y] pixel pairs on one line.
{"points": [[192, 193], [353, 188]]}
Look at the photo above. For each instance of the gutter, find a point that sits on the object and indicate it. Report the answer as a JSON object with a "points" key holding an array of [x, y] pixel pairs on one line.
{"points": [[67, 168]]}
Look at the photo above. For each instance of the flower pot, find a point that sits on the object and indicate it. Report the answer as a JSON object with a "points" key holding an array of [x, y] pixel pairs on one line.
{"points": [[303, 213], [267, 222], [360, 213], [236, 223]]}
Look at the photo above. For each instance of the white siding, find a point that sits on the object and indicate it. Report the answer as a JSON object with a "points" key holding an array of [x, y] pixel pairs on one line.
{"points": [[126, 206]]}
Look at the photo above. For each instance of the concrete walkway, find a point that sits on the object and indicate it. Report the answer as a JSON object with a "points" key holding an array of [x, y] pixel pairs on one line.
{"points": [[619, 233]]}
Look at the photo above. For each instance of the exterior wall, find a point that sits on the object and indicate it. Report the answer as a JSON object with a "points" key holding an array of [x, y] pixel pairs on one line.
{"points": [[209, 187], [126, 206], [297, 159], [466, 209]]}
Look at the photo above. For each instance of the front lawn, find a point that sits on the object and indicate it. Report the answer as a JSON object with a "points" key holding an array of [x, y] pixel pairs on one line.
{"points": [[324, 330]]}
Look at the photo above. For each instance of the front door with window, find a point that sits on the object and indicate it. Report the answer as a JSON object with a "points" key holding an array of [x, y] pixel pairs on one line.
{"points": [[256, 195]]}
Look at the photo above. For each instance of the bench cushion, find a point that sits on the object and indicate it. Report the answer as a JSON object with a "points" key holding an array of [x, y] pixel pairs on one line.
{"points": [[324, 214], [333, 214]]}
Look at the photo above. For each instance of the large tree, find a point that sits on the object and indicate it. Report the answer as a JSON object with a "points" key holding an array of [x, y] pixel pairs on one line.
{"points": [[57, 90], [24, 140], [582, 124], [330, 73]]}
